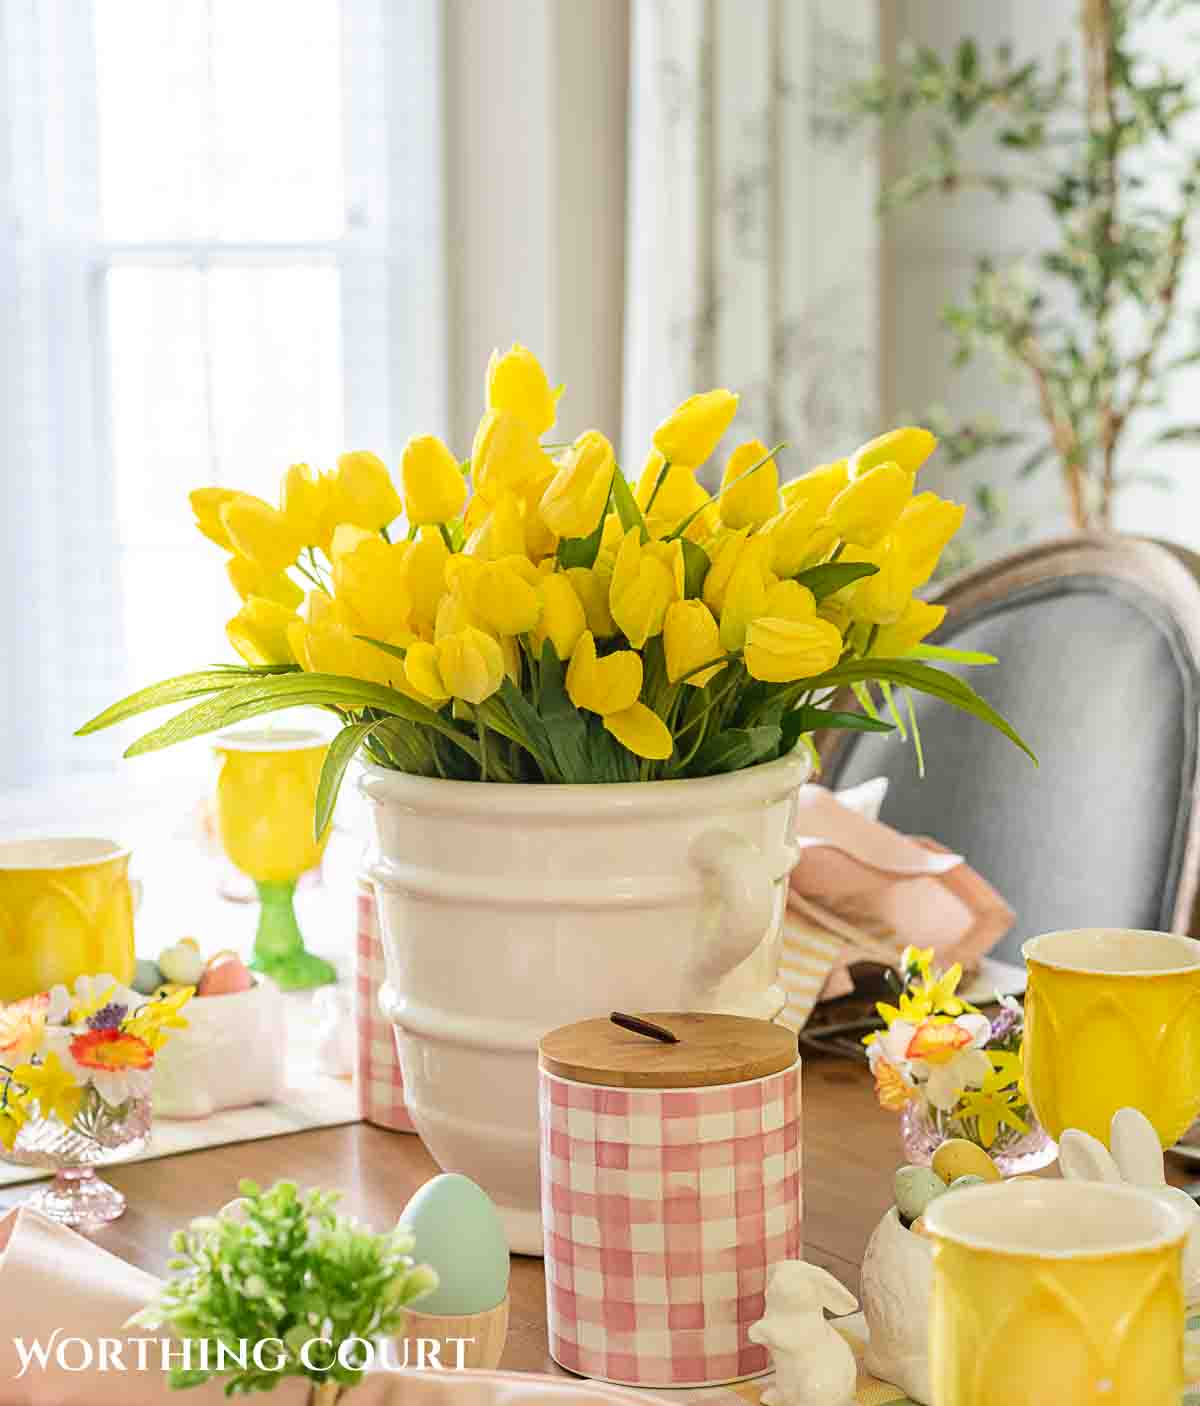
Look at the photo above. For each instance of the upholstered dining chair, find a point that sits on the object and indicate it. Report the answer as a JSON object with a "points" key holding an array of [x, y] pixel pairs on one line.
{"points": [[1098, 639]]}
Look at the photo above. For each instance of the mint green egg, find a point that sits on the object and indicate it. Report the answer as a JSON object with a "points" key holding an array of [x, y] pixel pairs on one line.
{"points": [[457, 1230]]}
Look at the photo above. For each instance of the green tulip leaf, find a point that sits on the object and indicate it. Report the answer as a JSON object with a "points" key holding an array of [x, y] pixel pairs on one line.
{"points": [[582, 551], [808, 718], [833, 576], [179, 690], [695, 568], [626, 504], [333, 770], [735, 748], [951, 656]]}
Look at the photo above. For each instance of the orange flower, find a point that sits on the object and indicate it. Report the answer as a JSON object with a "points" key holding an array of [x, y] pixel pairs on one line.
{"points": [[21, 1026], [937, 1042], [111, 1050], [891, 1087]]}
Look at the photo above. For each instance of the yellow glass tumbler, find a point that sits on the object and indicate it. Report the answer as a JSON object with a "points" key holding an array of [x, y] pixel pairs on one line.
{"points": [[1056, 1293], [1112, 1020], [66, 910], [266, 795]]}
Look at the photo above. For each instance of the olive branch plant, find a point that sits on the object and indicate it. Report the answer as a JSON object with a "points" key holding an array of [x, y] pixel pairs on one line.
{"points": [[1091, 324]]}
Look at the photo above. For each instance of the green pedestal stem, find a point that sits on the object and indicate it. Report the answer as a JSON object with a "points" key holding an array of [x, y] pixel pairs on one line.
{"points": [[279, 950]]}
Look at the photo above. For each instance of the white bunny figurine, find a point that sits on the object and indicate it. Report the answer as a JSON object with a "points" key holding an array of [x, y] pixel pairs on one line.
{"points": [[814, 1365], [1136, 1159]]}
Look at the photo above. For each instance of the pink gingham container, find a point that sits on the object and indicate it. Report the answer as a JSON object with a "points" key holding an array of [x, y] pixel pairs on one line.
{"points": [[665, 1207], [380, 1087]]}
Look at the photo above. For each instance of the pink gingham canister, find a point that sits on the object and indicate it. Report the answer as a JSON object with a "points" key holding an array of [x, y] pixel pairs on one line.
{"points": [[380, 1086], [670, 1186]]}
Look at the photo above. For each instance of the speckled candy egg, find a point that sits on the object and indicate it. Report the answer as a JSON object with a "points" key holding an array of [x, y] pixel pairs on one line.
{"points": [[182, 963], [959, 1158], [457, 1230], [225, 975], [147, 977], [961, 1183], [914, 1188]]}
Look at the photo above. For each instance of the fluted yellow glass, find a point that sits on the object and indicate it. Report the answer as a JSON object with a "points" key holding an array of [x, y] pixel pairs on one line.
{"points": [[1058, 1294], [66, 910], [266, 793], [1112, 1020]]}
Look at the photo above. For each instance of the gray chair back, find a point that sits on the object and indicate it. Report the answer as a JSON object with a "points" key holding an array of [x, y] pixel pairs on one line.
{"points": [[1098, 639]]}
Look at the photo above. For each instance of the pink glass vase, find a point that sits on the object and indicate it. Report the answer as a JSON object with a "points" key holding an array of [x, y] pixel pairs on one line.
{"points": [[924, 1128]]}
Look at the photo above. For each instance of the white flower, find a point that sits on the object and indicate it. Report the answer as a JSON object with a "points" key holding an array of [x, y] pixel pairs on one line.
{"points": [[59, 1006], [942, 1057]]}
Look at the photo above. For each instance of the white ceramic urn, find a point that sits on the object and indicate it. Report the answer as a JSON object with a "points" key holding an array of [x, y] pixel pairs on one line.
{"points": [[509, 910]]}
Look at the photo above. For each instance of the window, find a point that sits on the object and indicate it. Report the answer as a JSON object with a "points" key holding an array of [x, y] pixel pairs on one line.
{"points": [[239, 219]]}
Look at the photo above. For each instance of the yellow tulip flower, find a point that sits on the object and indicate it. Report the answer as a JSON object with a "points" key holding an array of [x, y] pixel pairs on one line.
{"points": [[693, 430], [909, 447], [369, 578], [306, 500], [725, 553], [592, 585], [249, 580], [541, 541], [746, 595], [423, 577], [754, 499], [865, 511], [504, 599], [642, 731], [679, 497], [925, 527], [206, 505], [517, 384], [578, 493], [362, 492], [789, 600], [607, 685], [562, 620], [817, 488], [501, 533], [434, 488], [691, 638], [470, 664], [259, 632], [798, 535], [505, 456], [880, 599], [423, 673], [918, 620], [781, 651], [327, 643], [260, 533], [647, 577]]}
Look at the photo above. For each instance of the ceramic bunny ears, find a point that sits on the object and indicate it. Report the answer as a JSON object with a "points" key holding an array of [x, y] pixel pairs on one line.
{"points": [[805, 1285], [1136, 1156]]}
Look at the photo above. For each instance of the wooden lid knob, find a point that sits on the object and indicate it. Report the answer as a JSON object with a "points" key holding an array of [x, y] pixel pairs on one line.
{"points": [[710, 1049]]}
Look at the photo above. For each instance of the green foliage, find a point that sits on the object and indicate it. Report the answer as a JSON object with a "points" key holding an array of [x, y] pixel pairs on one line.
{"points": [[282, 1265], [1098, 139]]}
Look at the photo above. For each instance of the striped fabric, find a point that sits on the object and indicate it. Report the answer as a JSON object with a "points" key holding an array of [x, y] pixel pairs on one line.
{"points": [[380, 1085], [808, 955]]}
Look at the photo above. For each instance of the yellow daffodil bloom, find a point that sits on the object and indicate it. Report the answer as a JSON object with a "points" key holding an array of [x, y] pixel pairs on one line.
{"points": [[362, 492], [647, 577], [306, 500], [891, 1087], [206, 506], [924, 528], [592, 585], [866, 510], [12, 1120], [916, 959], [578, 493], [641, 730], [249, 580], [691, 637], [780, 651], [754, 499], [562, 620], [693, 430], [917, 620], [259, 632], [603, 685], [55, 1090], [517, 384], [434, 488], [156, 1018], [505, 456], [260, 533], [909, 447]]}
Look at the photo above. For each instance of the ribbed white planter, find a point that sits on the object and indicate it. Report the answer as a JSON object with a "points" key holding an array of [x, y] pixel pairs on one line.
{"points": [[509, 910]]}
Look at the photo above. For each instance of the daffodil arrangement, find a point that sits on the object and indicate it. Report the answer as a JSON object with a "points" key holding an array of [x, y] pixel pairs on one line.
{"points": [[529, 615], [81, 1056], [943, 1054]]}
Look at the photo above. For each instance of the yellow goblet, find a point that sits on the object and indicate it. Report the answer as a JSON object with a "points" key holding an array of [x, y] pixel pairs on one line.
{"points": [[1056, 1291], [66, 910], [1112, 1020], [266, 794]]}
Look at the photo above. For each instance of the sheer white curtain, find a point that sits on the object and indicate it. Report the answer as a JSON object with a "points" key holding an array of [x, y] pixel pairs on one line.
{"points": [[752, 256], [220, 252]]}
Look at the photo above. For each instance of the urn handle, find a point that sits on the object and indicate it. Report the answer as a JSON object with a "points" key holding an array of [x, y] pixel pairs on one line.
{"points": [[746, 886]]}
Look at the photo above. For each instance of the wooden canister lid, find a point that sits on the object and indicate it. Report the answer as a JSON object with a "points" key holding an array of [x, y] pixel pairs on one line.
{"points": [[711, 1049]]}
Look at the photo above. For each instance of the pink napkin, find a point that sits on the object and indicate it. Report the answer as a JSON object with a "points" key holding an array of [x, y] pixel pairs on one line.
{"points": [[52, 1278], [879, 890]]}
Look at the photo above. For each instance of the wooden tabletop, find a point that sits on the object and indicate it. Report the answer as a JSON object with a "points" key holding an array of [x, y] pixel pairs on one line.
{"points": [[850, 1150]]}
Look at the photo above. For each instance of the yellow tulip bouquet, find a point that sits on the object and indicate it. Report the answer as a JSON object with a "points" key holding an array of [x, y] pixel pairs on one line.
{"points": [[538, 618]]}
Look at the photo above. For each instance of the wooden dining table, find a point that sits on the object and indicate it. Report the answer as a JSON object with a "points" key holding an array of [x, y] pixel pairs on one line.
{"points": [[850, 1149]]}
